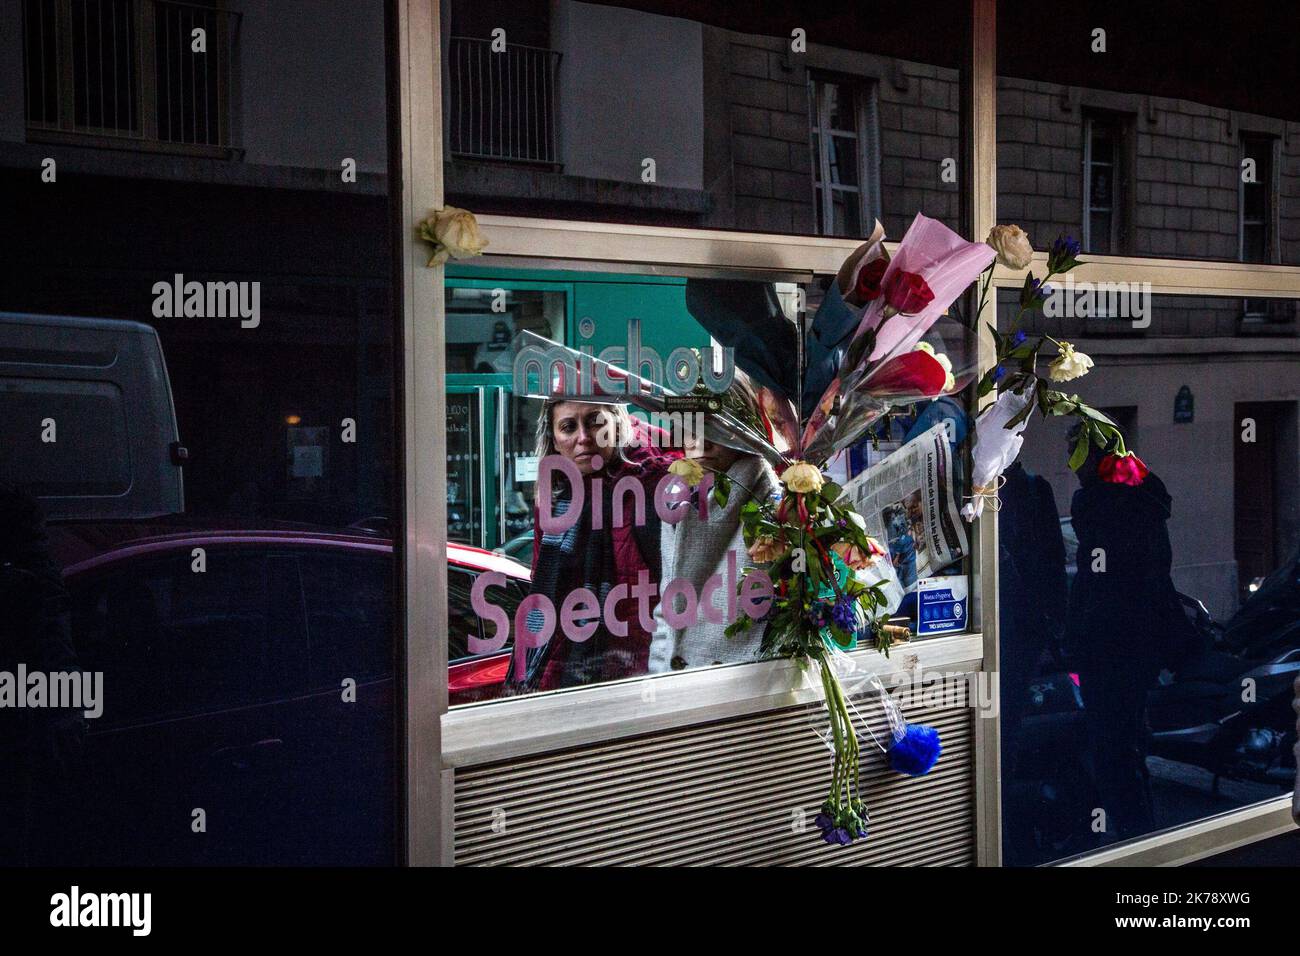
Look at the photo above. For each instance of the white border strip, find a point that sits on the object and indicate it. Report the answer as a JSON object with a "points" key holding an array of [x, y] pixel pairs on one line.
{"points": [[488, 732], [1198, 840]]}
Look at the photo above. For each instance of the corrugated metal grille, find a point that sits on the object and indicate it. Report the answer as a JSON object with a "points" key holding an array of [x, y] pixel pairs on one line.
{"points": [[724, 793]]}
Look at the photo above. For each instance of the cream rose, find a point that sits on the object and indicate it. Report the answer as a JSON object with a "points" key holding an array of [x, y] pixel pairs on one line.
{"points": [[1068, 364], [1011, 243], [688, 469], [802, 478], [454, 233]]}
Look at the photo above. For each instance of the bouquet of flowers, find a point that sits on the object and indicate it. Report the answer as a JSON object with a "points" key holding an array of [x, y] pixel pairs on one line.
{"points": [[1019, 388], [885, 343], [889, 342], [882, 339]]}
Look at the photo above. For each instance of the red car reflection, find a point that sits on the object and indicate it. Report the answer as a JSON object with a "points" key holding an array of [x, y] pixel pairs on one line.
{"points": [[250, 673], [91, 549]]}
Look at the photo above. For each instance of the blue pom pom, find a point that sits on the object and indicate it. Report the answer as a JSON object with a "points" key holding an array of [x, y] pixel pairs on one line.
{"points": [[917, 751]]}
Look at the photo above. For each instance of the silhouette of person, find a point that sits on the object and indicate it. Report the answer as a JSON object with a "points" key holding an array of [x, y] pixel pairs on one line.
{"points": [[1032, 593], [1123, 616]]}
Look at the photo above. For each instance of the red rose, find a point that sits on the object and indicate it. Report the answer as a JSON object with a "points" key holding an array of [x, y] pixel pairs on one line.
{"points": [[1123, 470], [907, 292], [869, 276]]}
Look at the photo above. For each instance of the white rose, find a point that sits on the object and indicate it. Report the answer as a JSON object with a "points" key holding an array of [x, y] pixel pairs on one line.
{"points": [[1011, 243], [454, 234], [1068, 364]]}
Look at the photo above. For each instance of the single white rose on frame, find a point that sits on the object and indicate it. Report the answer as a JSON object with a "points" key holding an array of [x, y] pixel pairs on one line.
{"points": [[454, 233], [1011, 243]]}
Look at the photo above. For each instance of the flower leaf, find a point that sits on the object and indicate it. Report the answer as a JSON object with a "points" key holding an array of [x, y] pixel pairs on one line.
{"points": [[1080, 453]]}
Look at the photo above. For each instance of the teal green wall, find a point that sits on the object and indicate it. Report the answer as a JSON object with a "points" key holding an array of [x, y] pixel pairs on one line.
{"points": [[609, 299]]}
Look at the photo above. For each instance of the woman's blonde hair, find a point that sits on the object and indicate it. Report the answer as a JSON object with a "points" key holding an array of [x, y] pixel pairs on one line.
{"points": [[623, 434]]}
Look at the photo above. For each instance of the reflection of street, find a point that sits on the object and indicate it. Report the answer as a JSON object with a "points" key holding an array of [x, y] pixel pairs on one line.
{"points": [[1182, 793]]}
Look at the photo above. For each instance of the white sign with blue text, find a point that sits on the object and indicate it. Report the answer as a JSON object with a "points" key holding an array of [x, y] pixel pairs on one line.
{"points": [[941, 605]]}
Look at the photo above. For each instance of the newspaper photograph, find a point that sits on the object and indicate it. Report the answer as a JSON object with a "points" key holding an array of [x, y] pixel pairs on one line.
{"points": [[908, 503]]}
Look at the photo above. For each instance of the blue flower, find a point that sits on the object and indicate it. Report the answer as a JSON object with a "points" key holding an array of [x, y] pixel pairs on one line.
{"points": [[1062, 258], [998, 372], [1020, 338], [839, 835], [844, 616]]}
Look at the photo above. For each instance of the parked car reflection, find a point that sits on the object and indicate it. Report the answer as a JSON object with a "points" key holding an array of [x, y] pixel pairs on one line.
{"points": [[248, 674]]}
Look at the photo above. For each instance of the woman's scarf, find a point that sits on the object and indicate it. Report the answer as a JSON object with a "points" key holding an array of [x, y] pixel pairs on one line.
{"points": [[582, 557]]}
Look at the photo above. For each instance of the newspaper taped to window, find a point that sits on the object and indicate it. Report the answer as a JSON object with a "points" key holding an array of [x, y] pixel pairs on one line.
{"points": [[909, 504]]}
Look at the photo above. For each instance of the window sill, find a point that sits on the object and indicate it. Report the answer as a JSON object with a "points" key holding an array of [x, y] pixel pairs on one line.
{"points": [[1196, 841], [499, 730]]}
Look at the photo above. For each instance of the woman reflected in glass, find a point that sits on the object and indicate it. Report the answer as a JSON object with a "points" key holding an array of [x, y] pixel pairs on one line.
{"points": [[602, 441]]}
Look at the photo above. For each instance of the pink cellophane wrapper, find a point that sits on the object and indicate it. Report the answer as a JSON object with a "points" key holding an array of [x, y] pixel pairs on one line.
{"points": [[949, 264]]}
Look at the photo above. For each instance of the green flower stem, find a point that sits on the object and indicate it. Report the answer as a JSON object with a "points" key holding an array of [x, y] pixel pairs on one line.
{"points": [[984, 292]]}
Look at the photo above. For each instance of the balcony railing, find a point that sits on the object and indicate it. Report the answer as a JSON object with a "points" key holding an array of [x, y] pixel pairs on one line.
{"points": [[501, 105], [155, 72]]}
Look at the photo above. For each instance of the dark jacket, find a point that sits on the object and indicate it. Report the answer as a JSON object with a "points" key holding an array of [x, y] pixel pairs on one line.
{"points": [[1129, 612], [1032, 593], [601, 561]]}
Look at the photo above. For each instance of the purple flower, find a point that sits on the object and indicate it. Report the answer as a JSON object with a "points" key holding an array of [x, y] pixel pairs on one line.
{"points": [[837, 835], [1062, 258], [843, 615], [824, 823]]}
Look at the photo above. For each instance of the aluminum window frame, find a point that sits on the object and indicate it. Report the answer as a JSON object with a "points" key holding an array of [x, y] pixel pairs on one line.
{"points": [[437, 741]]}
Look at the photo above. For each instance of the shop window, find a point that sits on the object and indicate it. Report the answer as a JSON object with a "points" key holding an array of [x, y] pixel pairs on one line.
{"points": [[506, 439], [221, 501], [1131, 618], [845, 147]]}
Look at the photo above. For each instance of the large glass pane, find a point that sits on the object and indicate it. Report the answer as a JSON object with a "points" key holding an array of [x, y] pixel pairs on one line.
{"points": [[197, 394], [703, 116], [1175, 124], [1148, 635], [659, 318]]}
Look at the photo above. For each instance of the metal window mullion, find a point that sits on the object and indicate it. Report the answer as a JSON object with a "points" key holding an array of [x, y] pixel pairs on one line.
{"points": [[1272, 209], [422, 691], [980, 146], [869, 154], [223, 77]]}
